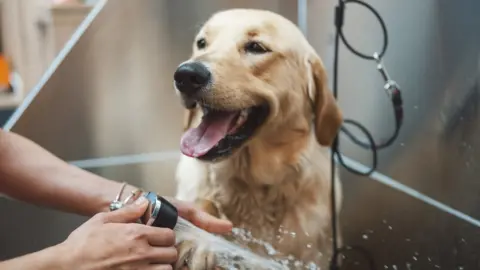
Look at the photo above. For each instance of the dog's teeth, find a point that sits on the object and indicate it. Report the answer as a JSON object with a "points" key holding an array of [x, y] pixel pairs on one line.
{"points": [[244, 113], [239, 121], [242, 117]]}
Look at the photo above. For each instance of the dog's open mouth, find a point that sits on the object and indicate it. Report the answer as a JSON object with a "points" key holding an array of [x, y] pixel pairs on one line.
{"points": [[221, 132]]}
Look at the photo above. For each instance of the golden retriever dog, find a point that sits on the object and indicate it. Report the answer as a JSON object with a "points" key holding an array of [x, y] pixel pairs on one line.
{"points": [[259, 121]]}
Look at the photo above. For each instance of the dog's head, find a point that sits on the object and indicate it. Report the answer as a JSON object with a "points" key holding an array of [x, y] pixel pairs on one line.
{"points": [[254, 76]]}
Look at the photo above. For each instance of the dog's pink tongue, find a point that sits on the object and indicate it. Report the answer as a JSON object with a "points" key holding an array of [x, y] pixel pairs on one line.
{"points": [[198, 141]]}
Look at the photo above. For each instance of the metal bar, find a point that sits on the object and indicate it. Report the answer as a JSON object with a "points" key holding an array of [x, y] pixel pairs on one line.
{"points": [[302, 15]]}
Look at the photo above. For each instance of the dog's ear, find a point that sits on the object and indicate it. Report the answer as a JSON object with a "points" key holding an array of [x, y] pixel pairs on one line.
{"points": [[327, 115]]}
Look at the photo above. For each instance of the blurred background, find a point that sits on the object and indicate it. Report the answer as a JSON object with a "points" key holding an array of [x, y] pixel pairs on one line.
{"points": [[91, 81]]}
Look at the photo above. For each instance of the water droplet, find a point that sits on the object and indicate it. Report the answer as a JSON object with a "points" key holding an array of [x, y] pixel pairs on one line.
{"points": [[415, 107], [437, 266], [293, 234], [365, 236], [408, 239], [312, 266], [429, 259], [414, 258], [284, 262], [385, 266], [390, 228], [309, 245], [384, 221], [394, 267], [460, 268], [402, 144]]}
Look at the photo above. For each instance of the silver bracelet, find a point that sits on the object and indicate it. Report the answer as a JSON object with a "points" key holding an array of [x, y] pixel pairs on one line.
{"points": [[117, 204], [133, 196]]}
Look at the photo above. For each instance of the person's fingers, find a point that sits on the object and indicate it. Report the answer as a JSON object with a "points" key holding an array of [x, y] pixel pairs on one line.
{"points": [[127, 214], [201, 219], [210, 223], [160, 237], [163, 255], [157, 267]]}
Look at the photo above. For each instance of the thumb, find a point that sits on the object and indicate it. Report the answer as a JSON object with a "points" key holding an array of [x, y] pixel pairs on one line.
{"points": [[129, 213]]}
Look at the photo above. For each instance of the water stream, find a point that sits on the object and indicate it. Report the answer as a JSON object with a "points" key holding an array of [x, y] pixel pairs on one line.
{"points": [[232, 256]]}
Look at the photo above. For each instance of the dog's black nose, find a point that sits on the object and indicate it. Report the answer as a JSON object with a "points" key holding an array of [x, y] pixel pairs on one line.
{"points": [[191, 77]]}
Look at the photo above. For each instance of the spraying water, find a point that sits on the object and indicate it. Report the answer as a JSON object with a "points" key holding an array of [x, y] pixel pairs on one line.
{"points": [[232, 256], [228, 254]]}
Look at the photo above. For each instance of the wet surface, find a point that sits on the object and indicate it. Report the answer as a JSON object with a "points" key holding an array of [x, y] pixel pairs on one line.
{"points": [[399, 230]]}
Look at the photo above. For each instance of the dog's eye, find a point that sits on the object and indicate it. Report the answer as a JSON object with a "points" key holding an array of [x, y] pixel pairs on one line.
{"points": [[201, 43], [255, 47]]}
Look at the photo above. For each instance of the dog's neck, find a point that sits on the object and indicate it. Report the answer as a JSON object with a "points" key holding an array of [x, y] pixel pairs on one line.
{"points": [[272, 157], [279, 164], [275, 175]]}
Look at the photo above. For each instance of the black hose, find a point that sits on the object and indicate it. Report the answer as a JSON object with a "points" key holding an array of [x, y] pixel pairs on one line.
{"points": [[397, 104]]}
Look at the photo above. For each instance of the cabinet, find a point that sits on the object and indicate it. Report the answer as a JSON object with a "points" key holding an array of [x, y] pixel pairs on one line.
{"points": [[32, 34], [27, 42]]}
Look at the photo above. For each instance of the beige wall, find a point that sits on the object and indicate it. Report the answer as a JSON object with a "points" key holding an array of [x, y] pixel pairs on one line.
{"points": [[28, 37], [34, 32]]}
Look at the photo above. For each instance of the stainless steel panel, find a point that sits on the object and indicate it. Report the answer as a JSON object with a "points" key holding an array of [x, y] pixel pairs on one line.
{"points": [[29, 228], [112, 95], [434, 54]]}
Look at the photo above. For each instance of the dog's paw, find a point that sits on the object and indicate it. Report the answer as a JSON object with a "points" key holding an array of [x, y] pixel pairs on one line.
{"points": [[194, 256]]}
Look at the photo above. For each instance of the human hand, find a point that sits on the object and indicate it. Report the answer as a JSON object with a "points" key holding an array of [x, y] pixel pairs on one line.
{"points": [[112, 241], [201, 218]]}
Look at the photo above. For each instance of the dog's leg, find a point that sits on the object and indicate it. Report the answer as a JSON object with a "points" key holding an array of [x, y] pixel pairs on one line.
{"points": [[209, 207], [193, 255]]}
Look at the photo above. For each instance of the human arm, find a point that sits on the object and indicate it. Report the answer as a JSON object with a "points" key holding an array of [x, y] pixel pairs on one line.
{"points": [[45, 259], [31, 174]]}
